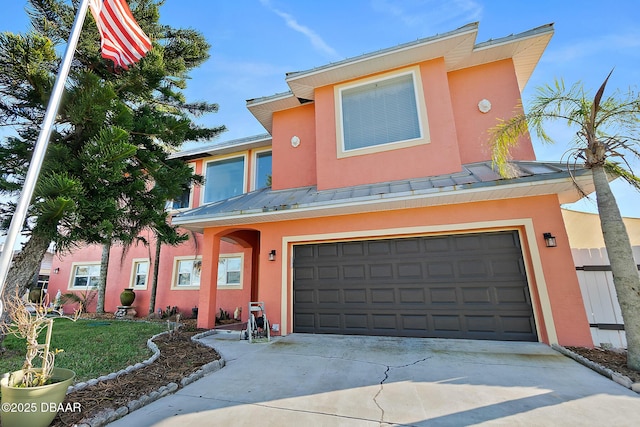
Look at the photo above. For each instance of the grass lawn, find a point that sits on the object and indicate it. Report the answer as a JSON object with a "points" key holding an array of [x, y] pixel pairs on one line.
{"points": [[91, 347]]}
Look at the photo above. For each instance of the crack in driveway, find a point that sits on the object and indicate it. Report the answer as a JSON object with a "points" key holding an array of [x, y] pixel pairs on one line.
{"points": [[386, 377]]}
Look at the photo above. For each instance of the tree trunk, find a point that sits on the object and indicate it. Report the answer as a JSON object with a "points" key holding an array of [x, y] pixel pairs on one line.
{"points": [[23, 269], [625, 271], [154, 280], [102, 284], [26, 264]]}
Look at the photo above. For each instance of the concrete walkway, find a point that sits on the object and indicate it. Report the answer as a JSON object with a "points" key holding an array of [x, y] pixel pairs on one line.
{"points": [[324, 380]]}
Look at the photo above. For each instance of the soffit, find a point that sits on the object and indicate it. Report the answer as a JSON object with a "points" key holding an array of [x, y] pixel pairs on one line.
{"points": [[452, 46], [457, 48], [226, 147]]}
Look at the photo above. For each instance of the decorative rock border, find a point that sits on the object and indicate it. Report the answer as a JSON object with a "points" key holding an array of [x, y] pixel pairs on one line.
{"points": [[623, 380], [110, 415]]}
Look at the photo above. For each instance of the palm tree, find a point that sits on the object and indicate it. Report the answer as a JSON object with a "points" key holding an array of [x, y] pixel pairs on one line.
{"points": [[606, 129]]}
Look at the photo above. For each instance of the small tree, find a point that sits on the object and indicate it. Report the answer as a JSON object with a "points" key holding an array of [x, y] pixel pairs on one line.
{"points": [[606, 129], [28, 320]]}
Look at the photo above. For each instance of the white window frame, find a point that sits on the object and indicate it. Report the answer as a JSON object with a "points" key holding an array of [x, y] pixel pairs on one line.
{"points": [[225, 285], [254, 180], [205, 164], [169, 206], [423, 125], [176, 272], [72, 276], [134, 273]]}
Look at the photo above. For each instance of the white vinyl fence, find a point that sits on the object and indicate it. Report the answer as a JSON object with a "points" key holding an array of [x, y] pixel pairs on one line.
{"points": [[599, 296]]}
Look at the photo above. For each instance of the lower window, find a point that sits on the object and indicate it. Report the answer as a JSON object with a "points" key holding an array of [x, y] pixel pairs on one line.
{"points": [[85, 276], [230, 271], [187, 273]]}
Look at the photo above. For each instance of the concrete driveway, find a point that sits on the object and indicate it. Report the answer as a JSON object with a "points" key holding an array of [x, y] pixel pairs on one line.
{"points": [[324, 380]]}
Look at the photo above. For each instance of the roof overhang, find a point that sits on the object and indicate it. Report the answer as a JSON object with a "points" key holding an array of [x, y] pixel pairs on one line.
{"points": [[457, 47], [565, 187], [231, 146]]}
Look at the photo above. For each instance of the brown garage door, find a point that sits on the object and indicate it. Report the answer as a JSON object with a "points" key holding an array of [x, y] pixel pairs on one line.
{"points": [[458, 286]]}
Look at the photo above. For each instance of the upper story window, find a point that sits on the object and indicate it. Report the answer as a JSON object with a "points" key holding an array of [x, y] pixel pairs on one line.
{"points": [[184, 200], [263, 170], [381, 113], [224, 179]]}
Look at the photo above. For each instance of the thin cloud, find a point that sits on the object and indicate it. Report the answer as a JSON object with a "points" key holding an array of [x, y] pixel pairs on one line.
{"points": [[316, 41], [610, 43], [431, 14]]}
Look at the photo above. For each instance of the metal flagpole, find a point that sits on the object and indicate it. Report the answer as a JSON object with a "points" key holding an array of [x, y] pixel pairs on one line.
{"points": [[40, 149]]}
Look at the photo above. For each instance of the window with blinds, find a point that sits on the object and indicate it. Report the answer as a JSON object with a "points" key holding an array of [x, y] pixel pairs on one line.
{"points": [[380, 113]]}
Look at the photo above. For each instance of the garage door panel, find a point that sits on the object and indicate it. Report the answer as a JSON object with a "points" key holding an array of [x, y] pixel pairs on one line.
{"points": [[410, 270], [328, 272], [459, 286], [384, 321], [327, 250], [354, 296], [475, 268], [412, 296], [480, 323], [301, 296], [446, 322], [328, 296], [437, 245], [381, 271], [440, 270], [353, 249], [303, 273], [477, 295], [356, 321], [512, 295], [443, 295], [383, 296], [414, 322], [517, 324], [353, 272], [305, 322], [468, 242]]}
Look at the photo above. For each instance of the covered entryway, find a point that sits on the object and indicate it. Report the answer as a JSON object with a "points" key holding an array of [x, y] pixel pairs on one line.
{"points": [[455, 286]]}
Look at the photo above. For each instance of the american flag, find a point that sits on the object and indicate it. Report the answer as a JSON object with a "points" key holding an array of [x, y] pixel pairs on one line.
{"points": [[122, 39]]}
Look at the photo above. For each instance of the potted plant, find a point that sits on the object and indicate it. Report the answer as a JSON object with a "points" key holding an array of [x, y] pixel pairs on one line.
{"points": [[31, 396]]}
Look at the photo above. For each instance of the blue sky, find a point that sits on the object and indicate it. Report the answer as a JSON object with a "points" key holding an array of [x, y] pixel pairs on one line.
{"points": [[255, 42]]}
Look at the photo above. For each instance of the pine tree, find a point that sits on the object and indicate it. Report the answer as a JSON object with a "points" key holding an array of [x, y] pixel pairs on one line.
{"points": [[108, 172]]}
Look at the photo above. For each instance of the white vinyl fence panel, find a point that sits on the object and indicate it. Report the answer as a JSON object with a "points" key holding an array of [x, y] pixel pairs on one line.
{"points": [[599, 296]]}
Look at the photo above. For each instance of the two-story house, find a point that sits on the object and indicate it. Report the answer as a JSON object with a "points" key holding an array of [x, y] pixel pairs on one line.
{"points": [[371, 207]]}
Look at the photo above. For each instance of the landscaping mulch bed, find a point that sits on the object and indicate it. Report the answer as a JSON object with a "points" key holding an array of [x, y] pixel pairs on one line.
{"points": [[179, 358], [616, 360]]}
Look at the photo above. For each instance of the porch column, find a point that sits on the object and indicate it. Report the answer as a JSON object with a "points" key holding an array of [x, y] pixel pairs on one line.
{"points": [[209, 281]]}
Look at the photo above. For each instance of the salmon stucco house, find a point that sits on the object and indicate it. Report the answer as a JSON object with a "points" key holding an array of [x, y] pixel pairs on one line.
{"points": [[371, 206]]}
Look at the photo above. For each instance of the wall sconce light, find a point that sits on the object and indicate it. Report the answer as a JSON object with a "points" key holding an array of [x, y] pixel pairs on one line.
{"points": [[272, 255], [549, 240], [56, 270]]}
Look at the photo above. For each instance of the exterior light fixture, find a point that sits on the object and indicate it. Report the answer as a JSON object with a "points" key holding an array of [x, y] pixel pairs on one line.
{"points": [[272, 255], [549, 240], [56, 270]]}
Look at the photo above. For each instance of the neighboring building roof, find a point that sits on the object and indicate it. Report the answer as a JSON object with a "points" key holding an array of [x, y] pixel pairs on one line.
{"points": [[457, 47], [476, 182], [225, 147], [584, 230]]}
